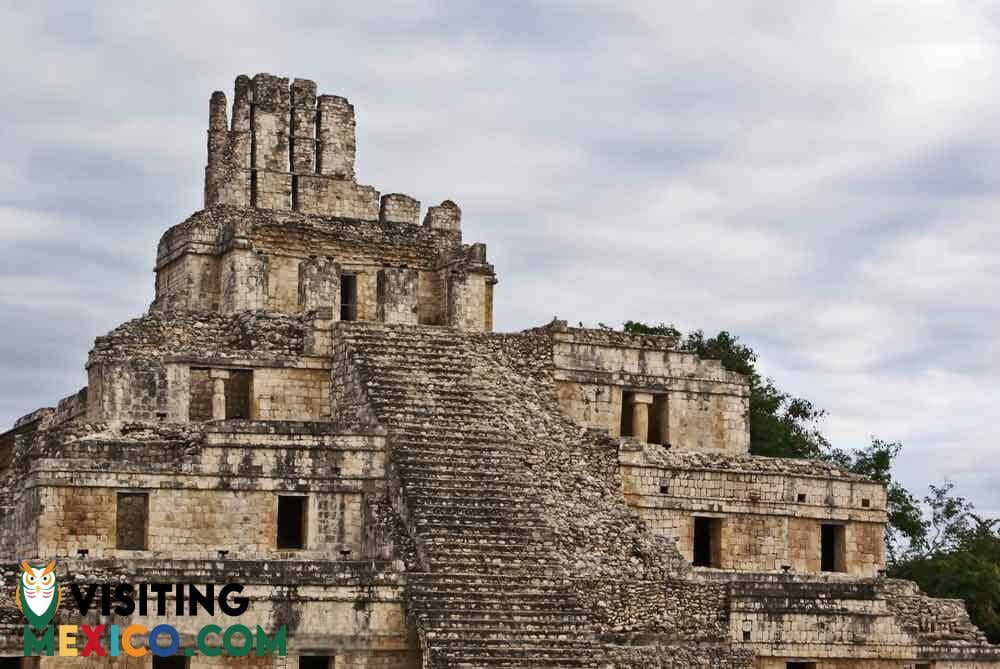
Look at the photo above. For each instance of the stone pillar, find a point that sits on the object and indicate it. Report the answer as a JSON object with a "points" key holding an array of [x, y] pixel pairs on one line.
{"points": [[396, 295], [399, 208], [640, 416], [244, 278], [319, 284], [303, 127], [219, 377], [318, 338], [445, 216], [336, 137]]}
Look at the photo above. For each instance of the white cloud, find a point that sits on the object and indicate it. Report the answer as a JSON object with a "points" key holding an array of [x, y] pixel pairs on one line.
{"points": [[815, 177]]}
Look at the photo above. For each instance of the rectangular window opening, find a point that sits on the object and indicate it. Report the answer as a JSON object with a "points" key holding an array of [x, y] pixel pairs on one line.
{"points": [[626, 422], [832, 548], [292, 521], [239, 390], [315, 662], [866, 503], [658, 433], [349, 297], [170, 662], [132, 521], [802, 498], [800, 665], [707, 542]]}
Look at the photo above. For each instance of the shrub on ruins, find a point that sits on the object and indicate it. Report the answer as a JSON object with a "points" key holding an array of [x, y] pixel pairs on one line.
{"points": [[781, 424], [907, 529], [960, 558], [937, 541]]}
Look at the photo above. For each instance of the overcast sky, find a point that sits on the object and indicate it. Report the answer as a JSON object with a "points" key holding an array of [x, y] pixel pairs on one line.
{"points": [[819, 178]]}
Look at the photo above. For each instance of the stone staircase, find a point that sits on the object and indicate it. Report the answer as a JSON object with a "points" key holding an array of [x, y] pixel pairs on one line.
{"points": [[489, 592]]}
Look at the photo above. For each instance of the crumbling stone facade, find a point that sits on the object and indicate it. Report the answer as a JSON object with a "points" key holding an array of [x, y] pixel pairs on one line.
{"points": [[315, 407]]}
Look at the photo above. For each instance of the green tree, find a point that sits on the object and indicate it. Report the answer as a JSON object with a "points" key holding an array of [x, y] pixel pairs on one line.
{"points": [[907, 529], [948, 551], [781, 424], [960, 559]]}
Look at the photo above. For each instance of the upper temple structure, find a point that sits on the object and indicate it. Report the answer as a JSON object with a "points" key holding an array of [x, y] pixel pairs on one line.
{"points": [[315, 407]]}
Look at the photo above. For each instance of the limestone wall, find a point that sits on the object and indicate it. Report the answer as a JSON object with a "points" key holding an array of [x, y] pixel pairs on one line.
{"points": [[163, 367], [220, 495], [353, 613], [704, 407], [771, 510], [231, 260], [285, 148], [397, 296]]}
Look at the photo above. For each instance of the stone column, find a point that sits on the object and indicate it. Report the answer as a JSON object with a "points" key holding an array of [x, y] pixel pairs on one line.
{"points": [[219, 377], [662, 407], [640, 416]]}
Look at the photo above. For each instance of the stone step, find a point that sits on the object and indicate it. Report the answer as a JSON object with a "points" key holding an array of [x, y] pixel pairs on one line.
{"points": [[432, 434], [496, 595], [459, 467], [510, 663], [388, 354], [442, 525], [431, 340], [462, 604], [493, 564], [430, 487], [445, 618], [575, 651], [494, 455], [463, 432], [439, 505], [484, 483], [436, 369], [443, 546], [506, 581]]}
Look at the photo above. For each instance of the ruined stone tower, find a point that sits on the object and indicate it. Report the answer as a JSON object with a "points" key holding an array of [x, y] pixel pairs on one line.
{"points": [[315, 407]]}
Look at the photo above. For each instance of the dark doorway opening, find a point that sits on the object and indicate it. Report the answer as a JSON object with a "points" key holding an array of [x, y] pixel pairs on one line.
{"points": [[291, 521], [658, 421], [800, 665], [832, 548], [170, 662], [707, 542], [239, 389], [625, 429], [132, 521], [315, 662], [348, 297]]}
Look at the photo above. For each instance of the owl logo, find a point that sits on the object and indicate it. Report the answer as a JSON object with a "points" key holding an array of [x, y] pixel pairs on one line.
{"points": [[38, 593]]}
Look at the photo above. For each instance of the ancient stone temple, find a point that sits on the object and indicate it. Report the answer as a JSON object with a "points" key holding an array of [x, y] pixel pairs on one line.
{"points": [[315, 407]]}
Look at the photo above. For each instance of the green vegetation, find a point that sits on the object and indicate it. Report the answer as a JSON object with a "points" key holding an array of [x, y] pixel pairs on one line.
{"points": [[937, 541]]}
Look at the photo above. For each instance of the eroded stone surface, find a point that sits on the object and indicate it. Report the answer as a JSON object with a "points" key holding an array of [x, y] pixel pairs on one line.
{"points": [[315, 407]]}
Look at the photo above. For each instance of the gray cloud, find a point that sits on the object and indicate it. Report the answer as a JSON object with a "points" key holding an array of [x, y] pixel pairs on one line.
{"points": [[818, 178]]}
